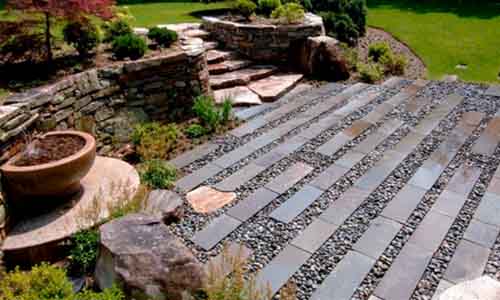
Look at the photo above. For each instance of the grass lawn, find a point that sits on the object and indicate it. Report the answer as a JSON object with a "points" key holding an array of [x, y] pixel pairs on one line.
{"points": [[445, 34], [169, 12]]}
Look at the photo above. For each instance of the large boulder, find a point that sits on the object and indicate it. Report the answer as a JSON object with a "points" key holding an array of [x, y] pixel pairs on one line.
{"points": [[320, 57], [165, 205], [482, 288], [140, 254]]}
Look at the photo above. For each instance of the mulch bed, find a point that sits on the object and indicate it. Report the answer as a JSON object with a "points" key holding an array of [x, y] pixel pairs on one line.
{"points": [[49, 149], [415, 68]]}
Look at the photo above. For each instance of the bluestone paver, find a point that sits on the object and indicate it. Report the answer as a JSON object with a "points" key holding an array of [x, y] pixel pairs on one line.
{"points": [[378, 236], [215, 231], [345, 278], [493, 90], [191, 156], [196, 178], [328, 177], [239, 178], [315, 235], [481, 233], [489, 210], [468, 262], [296, 204], [248, 207], [401, 207], [489, 139], [289, 177]]}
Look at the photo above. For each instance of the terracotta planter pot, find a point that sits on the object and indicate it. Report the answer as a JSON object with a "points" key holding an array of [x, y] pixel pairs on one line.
{"points": [[55, 179]]}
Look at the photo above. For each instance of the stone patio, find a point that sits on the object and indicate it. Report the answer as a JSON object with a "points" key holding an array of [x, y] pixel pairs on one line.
{"points": [[357, 192]]}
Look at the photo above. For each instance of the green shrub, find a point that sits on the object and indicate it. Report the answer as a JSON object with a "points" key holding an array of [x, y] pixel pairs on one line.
{"points": [[226, 110], [113, 293], [350, 55], [43, 282], [81, 35], [46, 282], [158, 174], [116, 28], [83, 252], [245, 7], [195, 131], [357, 11], [266, 7], [393, 64], [379, 49], [129, 45], [290, 13], [206, 111], [153, 140], [162, 36], [341, 27], [370, 73]]}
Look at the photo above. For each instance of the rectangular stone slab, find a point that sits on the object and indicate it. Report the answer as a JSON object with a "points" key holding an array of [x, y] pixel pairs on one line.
{"points": [[296, 204], [468, 262], [215, 231]]}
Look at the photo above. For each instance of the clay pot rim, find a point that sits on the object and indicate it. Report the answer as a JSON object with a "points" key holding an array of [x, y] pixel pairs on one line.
{"points": [[89, 146]]}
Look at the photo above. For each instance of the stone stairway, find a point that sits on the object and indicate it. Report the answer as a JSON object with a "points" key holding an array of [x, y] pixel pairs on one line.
{"points": [[244, 81], [357, 192]]}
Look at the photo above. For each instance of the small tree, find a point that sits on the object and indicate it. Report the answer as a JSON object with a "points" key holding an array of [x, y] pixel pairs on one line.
{"points": [[69, 10]]}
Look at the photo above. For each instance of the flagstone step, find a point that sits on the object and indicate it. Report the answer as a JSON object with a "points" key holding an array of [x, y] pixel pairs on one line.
{"points": [[275, 86], [239, 95], [216, 56], [241, 77], [228, 66]]}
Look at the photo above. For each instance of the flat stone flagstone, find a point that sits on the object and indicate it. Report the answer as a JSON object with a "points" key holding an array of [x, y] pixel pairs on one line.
{"points": [[228, 66], [241, 76], [289, 178], [191, 156], [273, 87], [215, 56], [240, 95], [196, 178], [206, 200], [217, 230], [467, 263]]}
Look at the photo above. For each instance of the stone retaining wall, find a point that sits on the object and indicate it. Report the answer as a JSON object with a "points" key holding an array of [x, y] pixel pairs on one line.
{"points": [[107, 101], [263, 42]]}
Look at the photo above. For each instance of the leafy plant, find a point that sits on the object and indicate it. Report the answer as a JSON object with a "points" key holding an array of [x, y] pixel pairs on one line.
{"points": [[378, 50], [290, 13], [158, 174], [238, 286], [266, 7], [205, 109], [129, 45], [370, 72], [125, 205], [43, 282], [46, 282], [83, 252], [116, 28], [351, 56], [357, 11], [195, 131], [245, 7], [226, 111], [154, 140], [162, 36], [81, 35]]}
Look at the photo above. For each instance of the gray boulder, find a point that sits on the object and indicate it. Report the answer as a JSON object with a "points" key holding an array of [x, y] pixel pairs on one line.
{"points": [[165, 205], [140, 254]]}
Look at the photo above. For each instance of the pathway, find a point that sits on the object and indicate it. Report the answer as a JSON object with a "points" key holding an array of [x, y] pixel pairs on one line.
{"points": [[384, 192]]}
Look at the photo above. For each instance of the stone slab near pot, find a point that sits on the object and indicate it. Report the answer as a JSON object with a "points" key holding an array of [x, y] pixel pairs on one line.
{"points": [[36, 239], [139, 253]]}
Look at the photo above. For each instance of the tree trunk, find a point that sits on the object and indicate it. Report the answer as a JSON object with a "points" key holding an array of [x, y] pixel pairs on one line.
{"points": [[48, 43]]}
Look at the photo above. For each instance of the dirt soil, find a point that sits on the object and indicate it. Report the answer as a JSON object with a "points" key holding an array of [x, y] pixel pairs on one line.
{"points": [[49, 149]]}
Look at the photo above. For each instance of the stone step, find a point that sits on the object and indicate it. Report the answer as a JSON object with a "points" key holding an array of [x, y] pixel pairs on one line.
{"points": [[228, 66], [239, 95], [489, 139], [241, 76], [211, 45], [273, 87], [196, 33], [217, 56]]}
